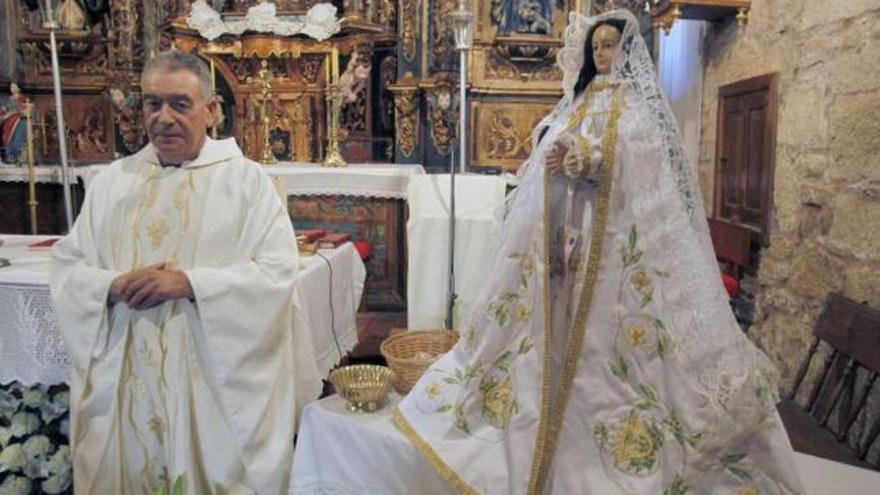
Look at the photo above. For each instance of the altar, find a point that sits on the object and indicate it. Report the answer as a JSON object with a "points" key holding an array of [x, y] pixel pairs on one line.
{"points": [[32, 350], [367, 201]]}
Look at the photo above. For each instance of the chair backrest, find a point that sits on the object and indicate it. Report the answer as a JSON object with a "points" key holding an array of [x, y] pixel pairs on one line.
{"points": [[731, 242], [852, 331]]}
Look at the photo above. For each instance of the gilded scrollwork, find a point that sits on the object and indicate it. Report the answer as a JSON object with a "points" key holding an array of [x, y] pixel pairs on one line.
{"points": [[503, 132], [386, 14], [502, 64], [310, 67], [387, 73], [127, 117], [409, 16], [442, 37], [354, 85], [406, 106]]}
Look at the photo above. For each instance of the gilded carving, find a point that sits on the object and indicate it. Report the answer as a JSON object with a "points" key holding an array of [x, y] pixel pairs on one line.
{"points": [[283, 6], [387, 74], [503, 132], [126, 49], [406, 119], [524, 16], [502, 64], [310, 67], [409, 17], [353, 85], [443, 114], [386, 14], [127, 117], [442, 37]]}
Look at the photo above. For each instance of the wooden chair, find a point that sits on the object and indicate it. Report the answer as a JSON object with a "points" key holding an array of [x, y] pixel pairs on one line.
{"points": [[732, 243], [842, 390]]}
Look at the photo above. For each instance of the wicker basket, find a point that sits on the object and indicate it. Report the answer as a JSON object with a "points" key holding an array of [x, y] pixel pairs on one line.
{"points": [[410, 353]]}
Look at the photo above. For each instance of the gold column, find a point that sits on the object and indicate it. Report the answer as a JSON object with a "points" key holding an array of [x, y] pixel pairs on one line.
{"points": [[28, 108]]}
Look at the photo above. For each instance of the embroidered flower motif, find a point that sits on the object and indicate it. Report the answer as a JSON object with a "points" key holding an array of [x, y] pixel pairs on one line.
{"points": [[157, 231], [528, 266], [523, 313], [433, 390], [635, 336], [641, 281], [497, 399], [634, 446]]}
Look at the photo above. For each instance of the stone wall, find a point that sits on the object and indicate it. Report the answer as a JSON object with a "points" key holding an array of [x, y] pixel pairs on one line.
{"points": [[825, 233]]}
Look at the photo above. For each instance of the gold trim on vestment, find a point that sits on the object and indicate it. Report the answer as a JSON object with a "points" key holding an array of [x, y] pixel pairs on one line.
{"points": [[447, 473], [544, 454]]}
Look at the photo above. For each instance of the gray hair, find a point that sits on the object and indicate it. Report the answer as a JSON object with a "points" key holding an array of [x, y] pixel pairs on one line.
{"points": [[173, 61]]}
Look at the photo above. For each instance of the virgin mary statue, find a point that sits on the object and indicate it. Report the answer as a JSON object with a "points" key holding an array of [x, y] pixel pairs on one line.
{"points": [[602, 356]]}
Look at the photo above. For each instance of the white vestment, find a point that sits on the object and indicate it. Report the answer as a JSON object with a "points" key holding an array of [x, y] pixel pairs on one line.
{"points": [[201, 390]]}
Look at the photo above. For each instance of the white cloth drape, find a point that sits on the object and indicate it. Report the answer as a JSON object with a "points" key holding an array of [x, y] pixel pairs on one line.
{"points": [[681, 76], [477, 203]]}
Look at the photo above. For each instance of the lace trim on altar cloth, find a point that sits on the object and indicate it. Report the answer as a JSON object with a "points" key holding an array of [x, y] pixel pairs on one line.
{"points": [[31, 347]]}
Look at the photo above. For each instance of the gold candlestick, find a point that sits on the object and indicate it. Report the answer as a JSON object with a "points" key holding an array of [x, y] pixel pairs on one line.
{"points": [[28, 108], [333, 157]]}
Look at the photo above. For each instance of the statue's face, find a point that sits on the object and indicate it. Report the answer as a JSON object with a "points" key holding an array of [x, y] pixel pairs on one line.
{"points": [[444, 100], [604, 42], [528, 11]]}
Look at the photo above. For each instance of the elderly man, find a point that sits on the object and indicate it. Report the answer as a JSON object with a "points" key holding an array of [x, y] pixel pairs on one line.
{"points": [[173, 295]]}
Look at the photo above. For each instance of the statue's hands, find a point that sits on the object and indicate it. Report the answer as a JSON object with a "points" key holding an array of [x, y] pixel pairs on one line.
{"points": [[555, 156], [150, 286], [573, 165]]}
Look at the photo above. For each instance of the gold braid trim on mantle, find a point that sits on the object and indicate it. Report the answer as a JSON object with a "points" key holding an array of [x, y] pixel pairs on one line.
{"points": [[544, 453]]}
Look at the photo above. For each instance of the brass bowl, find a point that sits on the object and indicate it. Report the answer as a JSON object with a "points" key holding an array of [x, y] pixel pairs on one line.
{"points": [[364, 386]]}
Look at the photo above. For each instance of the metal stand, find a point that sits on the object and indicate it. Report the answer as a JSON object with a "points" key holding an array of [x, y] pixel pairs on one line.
{"points": [[52, 25]]}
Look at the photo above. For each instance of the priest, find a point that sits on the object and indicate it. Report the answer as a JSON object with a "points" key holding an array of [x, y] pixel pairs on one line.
{"points": [[173, 295]]}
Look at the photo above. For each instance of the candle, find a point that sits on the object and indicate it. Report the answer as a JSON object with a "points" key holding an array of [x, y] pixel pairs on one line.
{"points": [[213, 81], [334, 54], [327, 71]]}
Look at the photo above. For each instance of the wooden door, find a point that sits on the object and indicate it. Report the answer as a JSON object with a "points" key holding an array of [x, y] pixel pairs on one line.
{"points": [[745, 150]]}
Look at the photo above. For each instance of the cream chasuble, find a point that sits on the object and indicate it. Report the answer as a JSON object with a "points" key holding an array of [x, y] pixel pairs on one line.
{"points": [[200, 390]]}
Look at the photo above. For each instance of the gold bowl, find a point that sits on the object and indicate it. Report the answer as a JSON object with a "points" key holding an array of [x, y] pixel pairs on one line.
{"points": [[364, 386]]}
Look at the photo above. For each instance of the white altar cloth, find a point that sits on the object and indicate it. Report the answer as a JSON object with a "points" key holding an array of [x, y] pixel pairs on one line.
{"points": [[362, 180], [344, 453], [50, 174], [32, 351], [367, 180], [478, 201]]}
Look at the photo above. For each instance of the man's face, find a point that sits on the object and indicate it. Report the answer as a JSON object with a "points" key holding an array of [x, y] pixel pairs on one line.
{"points": [[605, 41], [176, 114]]}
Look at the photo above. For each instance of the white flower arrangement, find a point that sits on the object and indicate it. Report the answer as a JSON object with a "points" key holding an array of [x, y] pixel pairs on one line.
{"points": [[12, 458], [34, 428], [16, 485], [24, 423]]}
